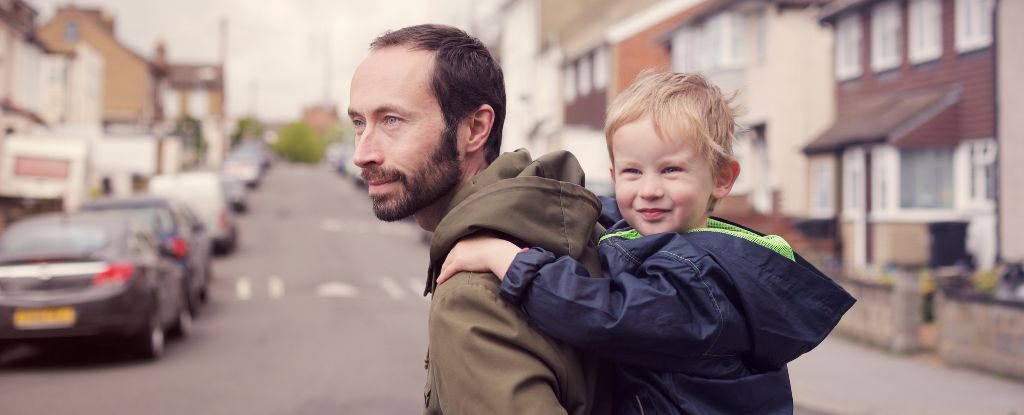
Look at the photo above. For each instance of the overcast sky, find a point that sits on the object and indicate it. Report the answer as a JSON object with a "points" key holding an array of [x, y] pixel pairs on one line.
{"points": [[276, 48]]}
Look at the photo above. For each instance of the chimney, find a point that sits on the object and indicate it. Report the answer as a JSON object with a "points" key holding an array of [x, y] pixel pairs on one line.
{"points": [[160, 54]]}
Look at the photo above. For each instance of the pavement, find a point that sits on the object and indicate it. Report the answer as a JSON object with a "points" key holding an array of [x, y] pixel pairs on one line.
{"points": [[842, 377]]}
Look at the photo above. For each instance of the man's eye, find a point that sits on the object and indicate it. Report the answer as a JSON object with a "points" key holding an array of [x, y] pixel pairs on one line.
{"points": [[391, 120], [359, 125]]}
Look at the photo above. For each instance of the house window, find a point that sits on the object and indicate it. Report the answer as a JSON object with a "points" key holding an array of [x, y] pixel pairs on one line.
{"points": [[926, 178], [853, 180], [848, 47], [885, 36], [71, 32], [925, 30], [883, 162], [724, 34], [172, 104], [198, 103], [973, 24], [584, 76], [600, 69], [569, 83], [684, 50], [982, 171], [823, 181], [762, 34]]}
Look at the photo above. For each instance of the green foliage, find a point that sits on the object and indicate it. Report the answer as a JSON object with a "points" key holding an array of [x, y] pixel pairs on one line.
{"points": [[298, 142], [985, 281], [247, 127], [191, 130]]}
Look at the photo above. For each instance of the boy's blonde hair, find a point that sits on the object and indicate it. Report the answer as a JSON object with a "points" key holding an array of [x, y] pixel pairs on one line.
{"points": [[681, 106]]}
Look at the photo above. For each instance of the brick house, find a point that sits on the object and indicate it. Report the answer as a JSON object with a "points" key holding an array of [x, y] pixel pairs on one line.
{"points": [[911, 156], [132, 84], [635, 43]]}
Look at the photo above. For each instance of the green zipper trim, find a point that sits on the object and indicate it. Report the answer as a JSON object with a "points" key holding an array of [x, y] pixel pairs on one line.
{"points": [[774, 242], [626, 234]]}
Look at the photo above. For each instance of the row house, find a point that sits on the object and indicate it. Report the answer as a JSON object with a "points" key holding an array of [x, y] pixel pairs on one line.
{"points": [[21, 56], [908, 168], [194, 95], [1010, 128], [132, 84], [774, 57], [72, 88]]}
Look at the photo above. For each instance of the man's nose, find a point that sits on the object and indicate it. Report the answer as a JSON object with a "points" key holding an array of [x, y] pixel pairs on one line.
{"points": [[367, 153], [651, 188]]}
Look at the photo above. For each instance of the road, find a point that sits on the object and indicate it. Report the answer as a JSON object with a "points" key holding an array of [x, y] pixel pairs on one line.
{"points": [[319, 311]]}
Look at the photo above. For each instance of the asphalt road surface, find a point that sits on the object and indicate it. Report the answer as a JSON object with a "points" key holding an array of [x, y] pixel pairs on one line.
{"points": [[320, 311]]}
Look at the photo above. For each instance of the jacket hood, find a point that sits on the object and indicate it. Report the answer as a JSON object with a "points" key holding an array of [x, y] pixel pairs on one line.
{"points": [[533, 203]]}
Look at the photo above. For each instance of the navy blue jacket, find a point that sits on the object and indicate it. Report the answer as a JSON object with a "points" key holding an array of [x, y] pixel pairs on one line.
{"points": [[697, 323]]}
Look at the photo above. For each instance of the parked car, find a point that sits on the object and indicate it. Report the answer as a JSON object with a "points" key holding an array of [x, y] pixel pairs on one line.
{"points": [[88, 275], [179, 232], [245, 167], [237, 194], [204, 192]]}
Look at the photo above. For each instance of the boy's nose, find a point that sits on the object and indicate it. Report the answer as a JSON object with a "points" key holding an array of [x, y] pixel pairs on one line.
{"points": [[651, 189]]}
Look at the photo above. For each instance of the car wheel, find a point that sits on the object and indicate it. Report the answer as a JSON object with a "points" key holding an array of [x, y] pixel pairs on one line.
{"points": [[149, 343], [182, 326]]}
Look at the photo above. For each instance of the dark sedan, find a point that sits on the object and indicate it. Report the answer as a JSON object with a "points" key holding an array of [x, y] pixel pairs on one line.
{"points": [[179, 231], [88, 274]]}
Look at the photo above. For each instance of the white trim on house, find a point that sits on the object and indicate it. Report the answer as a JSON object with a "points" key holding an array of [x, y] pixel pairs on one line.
{"points": [[886, 26], [849, 47], [569, 82], [601, 64], [924, 31], [584, 76], [645, 19], [973, 24], [823, 192]]}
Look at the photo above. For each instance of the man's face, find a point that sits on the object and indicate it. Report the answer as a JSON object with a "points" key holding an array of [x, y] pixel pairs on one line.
{"points": [[408, 158]]}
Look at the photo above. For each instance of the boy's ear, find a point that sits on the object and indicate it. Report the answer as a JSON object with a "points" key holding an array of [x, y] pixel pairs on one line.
{"points": [[479, 124], [725, 178], [611, 171]]}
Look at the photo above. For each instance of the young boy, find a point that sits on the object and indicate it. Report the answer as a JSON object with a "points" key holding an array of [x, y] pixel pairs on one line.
{"points": [[699, 315]]}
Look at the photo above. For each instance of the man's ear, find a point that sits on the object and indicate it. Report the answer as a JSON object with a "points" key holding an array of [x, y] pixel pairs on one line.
{"points": [[479, 123], [725, 179]]}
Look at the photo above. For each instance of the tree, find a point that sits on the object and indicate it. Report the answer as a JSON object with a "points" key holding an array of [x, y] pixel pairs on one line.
{"points": [[299, 142]]}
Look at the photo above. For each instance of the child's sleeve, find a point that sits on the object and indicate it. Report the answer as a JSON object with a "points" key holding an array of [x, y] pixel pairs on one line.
{"points": [[663, 317]]}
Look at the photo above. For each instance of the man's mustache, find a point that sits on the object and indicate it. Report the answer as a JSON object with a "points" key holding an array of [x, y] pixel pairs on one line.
{"points": [[381, 174]]}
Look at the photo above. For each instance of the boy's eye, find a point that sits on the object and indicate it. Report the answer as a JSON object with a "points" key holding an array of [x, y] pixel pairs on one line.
{"points": [[672, 169], [630, 171]]}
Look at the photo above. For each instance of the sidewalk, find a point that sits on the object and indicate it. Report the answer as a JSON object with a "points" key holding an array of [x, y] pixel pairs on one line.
{"points": [[841, 377]]}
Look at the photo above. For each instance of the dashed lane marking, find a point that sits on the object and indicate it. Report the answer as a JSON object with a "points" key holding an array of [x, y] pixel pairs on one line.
{"points": [[336, 289], [392, 288], [275, 287], [243, 288]]}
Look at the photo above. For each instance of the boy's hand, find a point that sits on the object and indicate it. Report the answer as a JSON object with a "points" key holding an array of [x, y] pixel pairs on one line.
{"points": [[479, 254]]}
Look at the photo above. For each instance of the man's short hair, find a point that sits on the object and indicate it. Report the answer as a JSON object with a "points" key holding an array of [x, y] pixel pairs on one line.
{"points": [[681, 106], [465, 75]]}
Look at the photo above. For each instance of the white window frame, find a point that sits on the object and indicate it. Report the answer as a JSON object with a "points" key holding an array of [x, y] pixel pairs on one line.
{"points": [[569, 82], [884, 181], [601, 63], [973, 24], [685, 43], [849, 48], [172, 104], [198, 104], [886, 26], [973, 157], [584, 79], [823, 182], [853, 183], [925, 30]]}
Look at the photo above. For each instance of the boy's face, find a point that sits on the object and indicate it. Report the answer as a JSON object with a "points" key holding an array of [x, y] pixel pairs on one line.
{"points": [[663, 185]]}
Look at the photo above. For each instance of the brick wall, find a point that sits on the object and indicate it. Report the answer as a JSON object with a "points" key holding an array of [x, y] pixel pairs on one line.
{"points": [[972, 70], [885, 315], [982, 333]]}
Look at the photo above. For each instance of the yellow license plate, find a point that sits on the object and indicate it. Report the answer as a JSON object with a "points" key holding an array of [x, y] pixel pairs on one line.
{"points": [[44, 318]]}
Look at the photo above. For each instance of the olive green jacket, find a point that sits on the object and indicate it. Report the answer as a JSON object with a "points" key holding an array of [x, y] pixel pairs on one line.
{"points": [[484, 359]]}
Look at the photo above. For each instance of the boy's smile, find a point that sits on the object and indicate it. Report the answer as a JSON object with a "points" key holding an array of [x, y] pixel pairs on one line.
{"points": [[661, 185]]}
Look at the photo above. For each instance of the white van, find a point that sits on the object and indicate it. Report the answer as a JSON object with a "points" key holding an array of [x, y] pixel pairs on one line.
{"points": [[204, 192]]}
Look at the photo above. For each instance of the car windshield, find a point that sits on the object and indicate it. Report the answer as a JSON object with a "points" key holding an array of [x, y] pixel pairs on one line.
{"points": [[159, 218], [53, 237]]}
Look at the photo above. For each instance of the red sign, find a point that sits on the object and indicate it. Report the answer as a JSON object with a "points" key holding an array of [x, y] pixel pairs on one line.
{"points": [[37, 167]]}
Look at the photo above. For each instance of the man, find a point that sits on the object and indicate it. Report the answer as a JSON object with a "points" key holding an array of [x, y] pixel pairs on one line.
{"points": [[428, 105]]}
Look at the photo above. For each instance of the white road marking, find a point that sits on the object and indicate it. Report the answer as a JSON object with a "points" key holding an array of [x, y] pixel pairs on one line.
{"points": [[275, 287], [243, 288], [393, 289], [416, 286], [336, 289]]}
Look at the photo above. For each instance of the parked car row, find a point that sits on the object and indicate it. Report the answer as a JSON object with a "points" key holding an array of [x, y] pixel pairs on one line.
{"points": [[128, 269]]}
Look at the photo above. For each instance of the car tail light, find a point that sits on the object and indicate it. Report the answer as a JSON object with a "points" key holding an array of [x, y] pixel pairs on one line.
{"points": [[115, 273], [179, 248]]}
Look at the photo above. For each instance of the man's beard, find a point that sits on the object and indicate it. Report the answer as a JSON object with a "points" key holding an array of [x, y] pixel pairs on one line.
{"points": [[421, 188]]}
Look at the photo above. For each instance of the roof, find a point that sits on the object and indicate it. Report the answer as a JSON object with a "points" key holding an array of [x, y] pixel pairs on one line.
{"points": [[9, 107], [885, 118], [207, 76], [711, 7], [838, 8]]}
